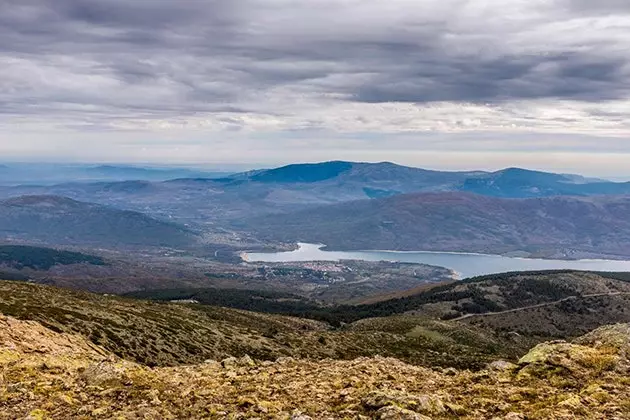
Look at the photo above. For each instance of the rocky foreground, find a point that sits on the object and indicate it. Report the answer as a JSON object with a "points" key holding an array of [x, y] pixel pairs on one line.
{"points": [[48, 375]]}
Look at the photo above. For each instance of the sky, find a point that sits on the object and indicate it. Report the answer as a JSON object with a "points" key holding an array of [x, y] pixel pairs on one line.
{"points": [[443, 84]]}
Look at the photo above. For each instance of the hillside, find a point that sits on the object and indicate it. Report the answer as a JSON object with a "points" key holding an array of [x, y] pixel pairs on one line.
{"points": [[36, 258], [59, 220], [536, 305], [517, 310], [169, 334], [51, 375], [461, 222]]}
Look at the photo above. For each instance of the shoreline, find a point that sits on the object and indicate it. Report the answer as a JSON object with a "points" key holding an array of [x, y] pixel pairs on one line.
{"points": [[302, 245]]}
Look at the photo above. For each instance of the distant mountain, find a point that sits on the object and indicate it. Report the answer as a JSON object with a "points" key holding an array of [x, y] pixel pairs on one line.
{"points": [[520, 183], [50, 174], [461, 222], [339, 173], [225, 202], [344, 181], [303, 173], [60, 220], [113, 172]]}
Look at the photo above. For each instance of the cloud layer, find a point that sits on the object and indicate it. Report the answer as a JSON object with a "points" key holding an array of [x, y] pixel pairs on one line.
{"points": [[265, 68]]}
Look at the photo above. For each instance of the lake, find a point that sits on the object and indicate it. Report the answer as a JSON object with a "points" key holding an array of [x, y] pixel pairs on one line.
{"points": [[466, 265]]}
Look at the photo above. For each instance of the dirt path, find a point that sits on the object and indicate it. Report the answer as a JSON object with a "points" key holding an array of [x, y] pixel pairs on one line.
{"points": [[541, 305]]}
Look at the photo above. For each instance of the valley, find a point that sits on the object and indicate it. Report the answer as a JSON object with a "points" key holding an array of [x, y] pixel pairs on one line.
{"points": [[314, 210]]}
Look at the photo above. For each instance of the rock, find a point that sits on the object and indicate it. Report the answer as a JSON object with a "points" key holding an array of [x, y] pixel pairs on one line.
{"points": [[425, 404], [246, 361], [105, 375], [297, 415], [612, 336], [455, 408], [612, 339], [564, 359], [449, 371], [502, 365], [229, 362], [233, 362], [573, 403], [514, 416], [396, 413]]}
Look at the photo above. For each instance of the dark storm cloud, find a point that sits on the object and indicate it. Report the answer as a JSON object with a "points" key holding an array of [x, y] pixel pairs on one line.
{"points": [[190, 56], [445, 78], [601, 6]]}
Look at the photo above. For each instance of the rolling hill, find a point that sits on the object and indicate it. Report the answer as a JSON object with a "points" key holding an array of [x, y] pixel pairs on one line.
{"points": [[170, 334], [461, 222], [536, 305], [462, 324], [59, 220]]}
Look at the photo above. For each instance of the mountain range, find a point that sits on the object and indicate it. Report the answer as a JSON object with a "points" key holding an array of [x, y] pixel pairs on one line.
{"points": [[349, 205], [199, 200], [50, 174]]}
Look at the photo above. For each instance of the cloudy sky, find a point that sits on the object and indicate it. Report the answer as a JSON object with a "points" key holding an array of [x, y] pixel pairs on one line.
{"points": [[436, 83]]}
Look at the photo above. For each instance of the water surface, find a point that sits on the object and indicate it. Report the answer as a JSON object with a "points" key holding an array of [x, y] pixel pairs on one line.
{"points": [[466, 265]]}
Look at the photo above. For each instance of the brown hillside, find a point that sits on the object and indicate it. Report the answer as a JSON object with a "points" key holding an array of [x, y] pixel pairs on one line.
{"points": [[46, 375]]}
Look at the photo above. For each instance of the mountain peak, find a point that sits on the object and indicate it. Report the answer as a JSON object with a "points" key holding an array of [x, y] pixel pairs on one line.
{"points": [[304, 172]]}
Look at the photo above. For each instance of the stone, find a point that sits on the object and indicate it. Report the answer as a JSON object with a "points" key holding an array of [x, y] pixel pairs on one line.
{"points": [[502, 365], [396, 413], [297, 415], [105, 375], [425, 404], [229, 362]]}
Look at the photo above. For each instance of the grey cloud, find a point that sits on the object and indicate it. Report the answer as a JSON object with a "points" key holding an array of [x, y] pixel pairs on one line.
{"points": [[160, 58], [444, 78], [600, 6]]}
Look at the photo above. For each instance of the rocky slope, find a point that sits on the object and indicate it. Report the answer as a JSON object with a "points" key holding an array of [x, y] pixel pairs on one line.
{"points": [[48, 375]]}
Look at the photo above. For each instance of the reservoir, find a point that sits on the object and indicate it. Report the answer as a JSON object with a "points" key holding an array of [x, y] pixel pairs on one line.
{"points": [[466, 265]]}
